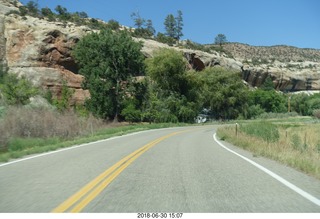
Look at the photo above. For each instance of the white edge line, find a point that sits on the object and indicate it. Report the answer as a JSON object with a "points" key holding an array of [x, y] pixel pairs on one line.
{"points": [[272, 174], [78, 146]]}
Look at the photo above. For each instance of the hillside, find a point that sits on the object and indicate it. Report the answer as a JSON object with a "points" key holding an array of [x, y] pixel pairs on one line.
{"points": [[40, 49], [281, 53]]}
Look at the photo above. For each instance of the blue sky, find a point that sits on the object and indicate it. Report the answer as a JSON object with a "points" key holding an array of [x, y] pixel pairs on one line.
{"points": [[254, 22]]}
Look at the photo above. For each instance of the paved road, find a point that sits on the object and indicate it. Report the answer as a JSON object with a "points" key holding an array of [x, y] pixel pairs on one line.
{"points": [[167, 170]]}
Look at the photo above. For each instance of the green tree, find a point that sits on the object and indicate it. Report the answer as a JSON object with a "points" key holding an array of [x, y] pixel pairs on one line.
{"points": [[33, 8], [23, 10], [269, 100], [47, 12], [131, 111], [144, 28], [313, 103], [223, 93], [82, 14], [268, 84], [162, 38], [150, 28], [168, 69], [17, 91], [220, 39], [113, 24], [108, 60], [138, 20], [63, 13], [62, 102], [135, 104], [299, 103], [171, 96], [170, 25], [179, 27]]}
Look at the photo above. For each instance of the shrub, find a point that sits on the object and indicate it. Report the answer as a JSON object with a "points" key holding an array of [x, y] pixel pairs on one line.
{"points": [[62, 103], [131, 113], [316, 113], [254, 111], [165, 39], [264, 130], [296, 141], [17, 91], [271, 115]]}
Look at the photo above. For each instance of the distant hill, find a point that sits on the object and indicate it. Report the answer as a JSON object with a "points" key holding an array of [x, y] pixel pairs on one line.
{"points": [[281, 53]]}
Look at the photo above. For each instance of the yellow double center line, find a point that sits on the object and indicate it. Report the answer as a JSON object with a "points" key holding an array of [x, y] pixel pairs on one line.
{"points": [[84, 196]]}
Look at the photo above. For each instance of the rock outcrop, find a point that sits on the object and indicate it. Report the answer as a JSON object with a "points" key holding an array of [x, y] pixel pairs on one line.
{"points": [[198, 60], [287, 77], [41, 50], [280, 53]]}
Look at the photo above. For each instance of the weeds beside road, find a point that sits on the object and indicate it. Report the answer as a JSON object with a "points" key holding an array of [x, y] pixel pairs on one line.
{"points": [[291, 142], [30, 131]]}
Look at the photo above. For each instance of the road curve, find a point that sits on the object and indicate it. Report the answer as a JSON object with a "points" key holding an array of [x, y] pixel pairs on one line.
{"points": [[168, 170]]}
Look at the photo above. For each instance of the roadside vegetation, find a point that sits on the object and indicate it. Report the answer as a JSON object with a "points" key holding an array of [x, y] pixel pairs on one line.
{"points": [[129, 92], [293, 141], [27, 131]]}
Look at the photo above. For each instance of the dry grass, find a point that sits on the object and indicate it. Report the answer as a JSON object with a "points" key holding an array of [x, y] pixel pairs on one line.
{"points": [[43, 123], [25, 131], [298, 145]]}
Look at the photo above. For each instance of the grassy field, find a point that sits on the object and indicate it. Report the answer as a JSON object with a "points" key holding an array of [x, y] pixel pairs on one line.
{"points": [[293, 141]]}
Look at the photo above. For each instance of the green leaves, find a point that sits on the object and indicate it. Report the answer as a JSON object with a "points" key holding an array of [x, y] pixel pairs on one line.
{"points": [[17, 91], [223, 92], [269, 100], [172, 88], [168, 69], [220, 39], [108, 61]]}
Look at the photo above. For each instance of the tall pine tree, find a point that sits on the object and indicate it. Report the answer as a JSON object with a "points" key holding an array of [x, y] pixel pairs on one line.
{"points": [[170, 25], [179, 23]]}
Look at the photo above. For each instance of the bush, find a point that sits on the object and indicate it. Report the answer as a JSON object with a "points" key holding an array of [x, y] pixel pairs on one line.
{"points": [[264, 130], [62, 103], [131, 114], [277, 115], [165, 39], [254, 111], [17, 91], [316, 113]]}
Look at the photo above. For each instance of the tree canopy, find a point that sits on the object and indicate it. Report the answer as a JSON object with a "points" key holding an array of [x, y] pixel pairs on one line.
{"points": [[108, 61], [171, 89], [223, 93], [220, 39]]}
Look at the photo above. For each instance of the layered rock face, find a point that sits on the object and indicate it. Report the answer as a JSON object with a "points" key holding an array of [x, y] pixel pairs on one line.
{"points": [[4, 8], [298, 74], [41, 51], [291, 68], [287, 77]]}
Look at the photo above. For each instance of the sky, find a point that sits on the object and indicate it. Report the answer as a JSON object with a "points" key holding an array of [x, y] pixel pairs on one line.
{"points": [[254, 22]]}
